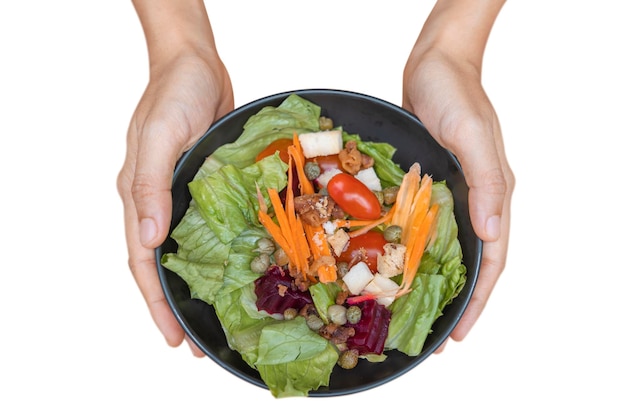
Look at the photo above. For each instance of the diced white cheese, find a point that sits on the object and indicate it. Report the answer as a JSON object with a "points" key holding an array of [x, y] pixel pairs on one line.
{"points": [[391, 263], [384, 287], [339, 241], [323, 179], [315, 144], [357, 278], [369, 177]]}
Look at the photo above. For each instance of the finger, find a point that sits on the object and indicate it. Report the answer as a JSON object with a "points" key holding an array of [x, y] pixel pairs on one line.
{"points": [[195, 350], [142, 263], [157, 153], [477, 149], [442, 347], [492, 264]]}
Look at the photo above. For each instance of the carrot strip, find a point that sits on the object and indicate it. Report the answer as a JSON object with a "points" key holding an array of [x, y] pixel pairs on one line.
{"points": [[408, 188], [419, 206], [295, 225], [302, 246], [276, 233], [419, 239], [283, 222], [295, 150], [355, 223], [368, 227]]}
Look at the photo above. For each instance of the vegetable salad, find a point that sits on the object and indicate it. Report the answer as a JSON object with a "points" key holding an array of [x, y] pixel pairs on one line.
{"points": [[315, 249]]}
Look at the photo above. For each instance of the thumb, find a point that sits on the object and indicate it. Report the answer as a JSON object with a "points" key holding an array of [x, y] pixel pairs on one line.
{"points": [[481, 162], [157, 153]]}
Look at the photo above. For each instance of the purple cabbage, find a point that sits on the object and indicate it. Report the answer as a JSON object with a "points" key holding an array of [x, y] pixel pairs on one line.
{"points": [[371, 331], [268, 289]]}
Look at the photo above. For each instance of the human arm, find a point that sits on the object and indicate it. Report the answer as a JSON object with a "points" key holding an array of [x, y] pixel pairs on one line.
{"points": [[442, 86], [189, 87]]}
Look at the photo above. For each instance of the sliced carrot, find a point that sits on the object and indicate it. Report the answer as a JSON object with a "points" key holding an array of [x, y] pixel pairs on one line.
{"points": [[420, 235], [283, 222], [408, 188], [419, 206], [295, 151], [372, 224], [295, 224], [274, 230]]}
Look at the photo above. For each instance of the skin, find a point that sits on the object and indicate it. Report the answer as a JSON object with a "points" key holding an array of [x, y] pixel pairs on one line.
{"points": [[189, 88]]}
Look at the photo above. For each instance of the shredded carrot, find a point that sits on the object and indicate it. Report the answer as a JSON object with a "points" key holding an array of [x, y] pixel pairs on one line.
{"points": [[408, 188], [295, 151], [300, 243], [276, 233], [420, 235], [372, 224], [419, 206]]}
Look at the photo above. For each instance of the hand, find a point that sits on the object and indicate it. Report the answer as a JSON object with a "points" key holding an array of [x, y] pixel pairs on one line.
{"points": [[447, 96], [183, 98]]}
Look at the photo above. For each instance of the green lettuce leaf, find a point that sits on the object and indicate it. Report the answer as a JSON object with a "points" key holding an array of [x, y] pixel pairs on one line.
{"points": [[287, 341], [294, 360], [324, 295], [199, 260], [227, 198]]}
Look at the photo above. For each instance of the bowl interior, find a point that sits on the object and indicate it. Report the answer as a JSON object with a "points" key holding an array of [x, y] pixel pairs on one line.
{"points": [[374, 120]]}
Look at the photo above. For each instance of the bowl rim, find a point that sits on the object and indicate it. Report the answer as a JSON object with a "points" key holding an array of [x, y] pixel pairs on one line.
{"points": [[469, 286]]}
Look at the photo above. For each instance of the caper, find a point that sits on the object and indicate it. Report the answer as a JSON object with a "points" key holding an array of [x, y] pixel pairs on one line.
{"points": [[337, 314], [326, 124], [265, 246], [342, 268], [353, 314], [260, 263], [290, 313], [280, 257], [348, 359], [312, 170], [314, 322], [390, 194], [393, 233]]}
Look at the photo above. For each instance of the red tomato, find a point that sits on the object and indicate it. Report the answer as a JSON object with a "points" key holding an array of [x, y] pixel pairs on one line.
{"points": [[369, 244], [279, 145], [327, 162], [353, 197]]}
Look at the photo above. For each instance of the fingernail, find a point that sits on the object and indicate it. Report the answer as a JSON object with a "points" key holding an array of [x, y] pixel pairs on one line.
{"points": [[493, 227], [147, 231]]}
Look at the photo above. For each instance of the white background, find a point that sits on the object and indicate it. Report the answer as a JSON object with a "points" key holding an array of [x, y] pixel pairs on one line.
{"points": [[76, 338]]}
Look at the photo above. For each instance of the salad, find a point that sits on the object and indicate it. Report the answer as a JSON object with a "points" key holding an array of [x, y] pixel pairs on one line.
{"points": [[315, 249]]}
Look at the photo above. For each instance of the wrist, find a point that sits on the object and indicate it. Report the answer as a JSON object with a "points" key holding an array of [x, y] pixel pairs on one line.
{"points": [[458, 29], [175, 28]]}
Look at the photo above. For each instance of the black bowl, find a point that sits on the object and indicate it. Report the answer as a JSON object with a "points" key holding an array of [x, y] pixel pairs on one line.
{"points": [[374, 120]]}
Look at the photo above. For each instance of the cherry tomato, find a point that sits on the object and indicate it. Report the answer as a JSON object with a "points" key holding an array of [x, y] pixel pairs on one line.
{"points": [[279, 145], [369, 245], [327, 162], [353, 197]]}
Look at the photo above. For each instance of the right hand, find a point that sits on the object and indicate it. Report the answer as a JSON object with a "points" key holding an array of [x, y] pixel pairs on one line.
{"points": [[184, 97]]}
